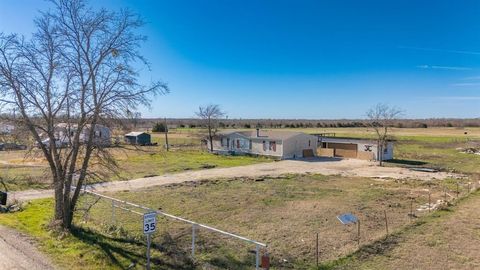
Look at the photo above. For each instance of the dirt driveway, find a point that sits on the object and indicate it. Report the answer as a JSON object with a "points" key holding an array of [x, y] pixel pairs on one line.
{"points": [[18, 252], [325, 166]]}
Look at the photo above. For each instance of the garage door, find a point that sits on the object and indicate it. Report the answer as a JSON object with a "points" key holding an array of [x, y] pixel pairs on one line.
{"points": [[345, 150]]}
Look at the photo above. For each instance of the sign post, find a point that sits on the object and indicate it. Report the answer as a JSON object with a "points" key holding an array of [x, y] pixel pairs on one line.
{"points": [[349, 218], [149, 227]]}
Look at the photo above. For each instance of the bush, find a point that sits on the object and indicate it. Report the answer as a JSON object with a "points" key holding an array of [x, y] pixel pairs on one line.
{"points": [[159, 127]]}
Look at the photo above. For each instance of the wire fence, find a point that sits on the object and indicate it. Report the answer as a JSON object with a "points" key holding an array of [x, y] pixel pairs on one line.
{"points": [[381, 220], [187, 242], [180, 238]]}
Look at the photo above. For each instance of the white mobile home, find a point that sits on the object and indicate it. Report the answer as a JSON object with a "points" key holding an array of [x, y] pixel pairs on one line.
{"points": [[64, 134], [6, 128], [277, 144]]}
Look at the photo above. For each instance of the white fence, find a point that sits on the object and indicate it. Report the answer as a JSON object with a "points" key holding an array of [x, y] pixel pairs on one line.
{"points": [[130, 207]]}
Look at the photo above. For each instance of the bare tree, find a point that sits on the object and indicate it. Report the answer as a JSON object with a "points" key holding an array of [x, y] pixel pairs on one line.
{"points": [[381, 119], [133, 118], [78, 69], [210, 115]]}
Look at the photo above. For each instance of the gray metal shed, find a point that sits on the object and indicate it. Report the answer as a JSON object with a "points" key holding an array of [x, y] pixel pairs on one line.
{"points": [[139, 138]]}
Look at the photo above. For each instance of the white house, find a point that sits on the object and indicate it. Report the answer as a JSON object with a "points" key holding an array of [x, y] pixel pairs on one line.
{"points": [[64, 134], [6, 128], [354, 148], [276, 144]]}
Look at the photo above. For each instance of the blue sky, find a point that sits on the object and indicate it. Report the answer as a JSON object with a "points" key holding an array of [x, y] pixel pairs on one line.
{"points": [[303, 59]]}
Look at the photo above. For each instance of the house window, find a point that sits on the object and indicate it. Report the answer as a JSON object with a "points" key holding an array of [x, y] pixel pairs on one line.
{"points": [[228, 142], [272, 146], [324, 145], [238, 143], [264, 146], [308, 143], [385, 150], [250, 144]]}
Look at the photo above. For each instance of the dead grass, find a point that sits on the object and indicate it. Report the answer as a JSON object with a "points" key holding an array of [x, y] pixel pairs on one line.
{"points": [[285, 212], [447, 239]]}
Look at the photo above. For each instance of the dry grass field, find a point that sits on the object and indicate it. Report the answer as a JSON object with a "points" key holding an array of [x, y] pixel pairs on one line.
{"points": [[285, 212]]}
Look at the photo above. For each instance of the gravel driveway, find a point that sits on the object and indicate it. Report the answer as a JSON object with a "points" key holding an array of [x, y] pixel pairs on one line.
{"points": [[17, 251], [326, 166]]}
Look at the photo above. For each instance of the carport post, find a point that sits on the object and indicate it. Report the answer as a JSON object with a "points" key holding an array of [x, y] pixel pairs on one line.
{"points": [[257, 257]]}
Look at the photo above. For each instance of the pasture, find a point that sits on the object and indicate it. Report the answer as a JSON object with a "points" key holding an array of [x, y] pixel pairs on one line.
{"points": [[285, 211]]}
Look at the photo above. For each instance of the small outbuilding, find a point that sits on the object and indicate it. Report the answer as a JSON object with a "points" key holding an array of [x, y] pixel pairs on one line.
{"points": [[354, 148], [138, 138]]}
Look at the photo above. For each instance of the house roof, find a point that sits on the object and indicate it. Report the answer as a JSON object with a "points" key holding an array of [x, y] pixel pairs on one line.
{"points": [[135, 133], [72, 125], [266, 134]]}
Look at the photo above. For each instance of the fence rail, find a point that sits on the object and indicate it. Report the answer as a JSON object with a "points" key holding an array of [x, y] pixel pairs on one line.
{"points": [[120, 204]]}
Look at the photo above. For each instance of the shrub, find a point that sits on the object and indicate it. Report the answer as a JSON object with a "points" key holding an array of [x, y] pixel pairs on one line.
{"points": [[159, 127]]}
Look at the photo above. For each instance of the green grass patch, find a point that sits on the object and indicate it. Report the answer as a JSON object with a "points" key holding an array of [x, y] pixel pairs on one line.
{"points": [[158, 163]]}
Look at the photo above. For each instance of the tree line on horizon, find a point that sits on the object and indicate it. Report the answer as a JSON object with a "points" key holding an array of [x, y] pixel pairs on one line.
{"points": [[302, 123]]}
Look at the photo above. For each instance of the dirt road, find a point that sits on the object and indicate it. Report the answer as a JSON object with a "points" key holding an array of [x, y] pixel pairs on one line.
{"points": [[17, 251], [346, 167]]}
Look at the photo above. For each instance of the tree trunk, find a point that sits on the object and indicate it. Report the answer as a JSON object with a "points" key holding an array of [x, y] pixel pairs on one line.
{"points": [[380, 155], [59, 204], [211, 138]]}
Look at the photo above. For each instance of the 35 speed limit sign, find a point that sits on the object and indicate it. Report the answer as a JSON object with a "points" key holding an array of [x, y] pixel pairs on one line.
{"points": [[149, 222]]}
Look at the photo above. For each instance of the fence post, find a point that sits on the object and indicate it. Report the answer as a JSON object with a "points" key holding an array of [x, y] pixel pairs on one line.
{"points": [[257, 257], [113, 212], [458, 189], [411, 209], [429, 201], [386, 221], [193, 241], [316, 251], [358, 233]]}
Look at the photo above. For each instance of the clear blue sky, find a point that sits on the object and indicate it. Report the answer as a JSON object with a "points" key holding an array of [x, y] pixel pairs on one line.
{"points": [[303, 59]]}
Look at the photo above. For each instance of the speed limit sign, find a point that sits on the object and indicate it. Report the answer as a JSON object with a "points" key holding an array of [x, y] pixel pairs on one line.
{"points": [[149, 222]]}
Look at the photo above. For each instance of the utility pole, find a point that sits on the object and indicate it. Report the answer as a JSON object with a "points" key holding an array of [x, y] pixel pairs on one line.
{"points": [[166, 134]]}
